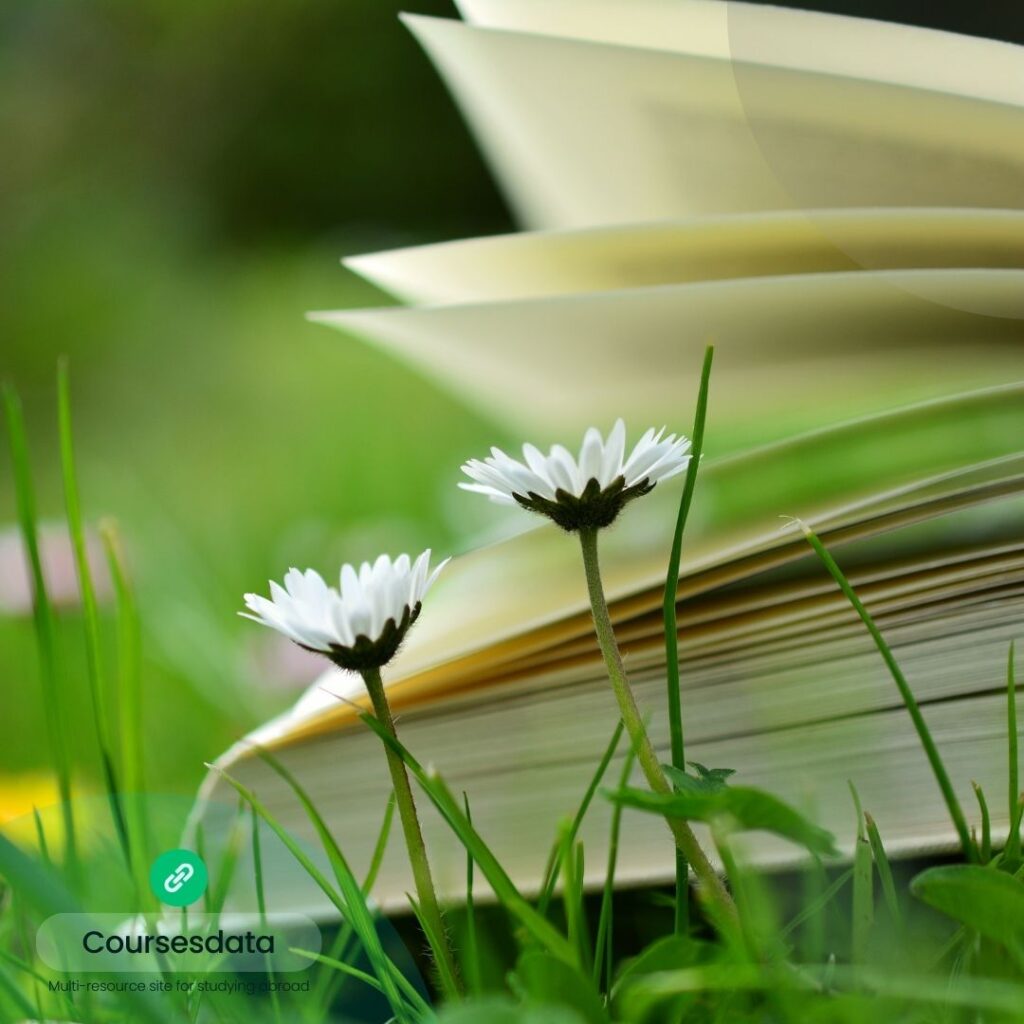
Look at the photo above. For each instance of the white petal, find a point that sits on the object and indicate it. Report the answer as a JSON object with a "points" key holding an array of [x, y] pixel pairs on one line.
{"points": [[614, 449], [591, 457], [562, 470]]}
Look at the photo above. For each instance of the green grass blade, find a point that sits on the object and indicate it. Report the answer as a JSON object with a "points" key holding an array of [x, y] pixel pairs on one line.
{"points": [[42, 611], [380, 847], [90, 610], [603, 947], [884, 871], [329, 982], [956, 812], [535, 924], [863, 902], [44, 846], [419, 1003], [129, 705], [818, 904], [261, 901], [339, 965], [471, 954], [17, 997], [985, 850], [354, 911], [1016, 804], [812, 938], [228, 863], [551, 875], [572, 896], [675, 713]]}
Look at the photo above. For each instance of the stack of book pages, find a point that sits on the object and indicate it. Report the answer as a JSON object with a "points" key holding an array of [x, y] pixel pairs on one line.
{"points": [[838, 205]]}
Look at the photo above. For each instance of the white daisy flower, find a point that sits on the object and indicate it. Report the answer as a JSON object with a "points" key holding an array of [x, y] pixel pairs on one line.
{"points": [[584, 492], [360, 624]]}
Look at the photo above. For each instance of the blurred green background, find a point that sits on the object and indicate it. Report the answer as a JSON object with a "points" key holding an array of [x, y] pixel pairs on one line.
{"points": [[178, 181]]}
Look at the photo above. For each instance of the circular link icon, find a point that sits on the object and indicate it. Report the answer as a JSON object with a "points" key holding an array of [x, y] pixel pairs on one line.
{"points": [[178, 877]]}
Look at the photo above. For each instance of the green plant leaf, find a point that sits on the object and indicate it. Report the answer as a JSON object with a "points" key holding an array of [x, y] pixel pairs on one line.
{"points": [[545, 980], [988, 901], [749, 809], [706, 780]]}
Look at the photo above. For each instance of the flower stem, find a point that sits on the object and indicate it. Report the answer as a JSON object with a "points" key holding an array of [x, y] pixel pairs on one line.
{"points": [[686, 841], [427, 896]]}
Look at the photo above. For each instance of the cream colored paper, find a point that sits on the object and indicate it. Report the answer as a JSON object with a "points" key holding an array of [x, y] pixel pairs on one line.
{"points": [[780, 36], [581, 133], [800, 349], [543, 263]]}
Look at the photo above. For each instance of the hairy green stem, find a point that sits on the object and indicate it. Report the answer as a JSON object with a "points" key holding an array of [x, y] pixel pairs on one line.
{"points": [[427, 896], [686, 841]]}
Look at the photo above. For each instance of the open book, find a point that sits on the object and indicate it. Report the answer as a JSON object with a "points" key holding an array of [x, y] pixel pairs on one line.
{"points": [[843, 220], [501, 685]]}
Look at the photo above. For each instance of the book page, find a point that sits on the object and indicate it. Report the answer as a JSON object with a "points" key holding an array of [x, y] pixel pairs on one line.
{"points": [[798, 350], [582, 133], [535, 264], [780, 36]]}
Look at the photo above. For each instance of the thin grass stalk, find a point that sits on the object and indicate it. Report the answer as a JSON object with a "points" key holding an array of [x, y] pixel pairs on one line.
{"points": [[329, 982], [471, 955], [572, 898], [713, 887], [985, 850], [863, 902], [670, 615], [129, 705], [90, 610], [1014, 794], [956, 812], [603, 947], [42, 611], [884, 871], [822, 901], [261, 903], [551, 873]]}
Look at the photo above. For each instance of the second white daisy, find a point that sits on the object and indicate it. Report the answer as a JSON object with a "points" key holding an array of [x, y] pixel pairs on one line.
{"points": [[587, 492]]}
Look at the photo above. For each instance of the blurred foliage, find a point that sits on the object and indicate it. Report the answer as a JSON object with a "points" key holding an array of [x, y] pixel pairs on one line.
{"points": [[178, 183]]}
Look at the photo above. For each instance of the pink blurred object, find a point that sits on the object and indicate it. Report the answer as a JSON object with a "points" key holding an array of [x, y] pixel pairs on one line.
{"points": [[58, 569]]}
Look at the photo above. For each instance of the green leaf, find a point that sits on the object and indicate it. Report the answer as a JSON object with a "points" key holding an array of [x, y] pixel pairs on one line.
{"points": [[707, 780], [51, 678], [544, 980], [988, 901], [749, 809]]}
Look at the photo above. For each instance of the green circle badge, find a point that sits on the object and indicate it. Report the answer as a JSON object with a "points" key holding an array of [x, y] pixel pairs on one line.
{"points": [[178, 877]]}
